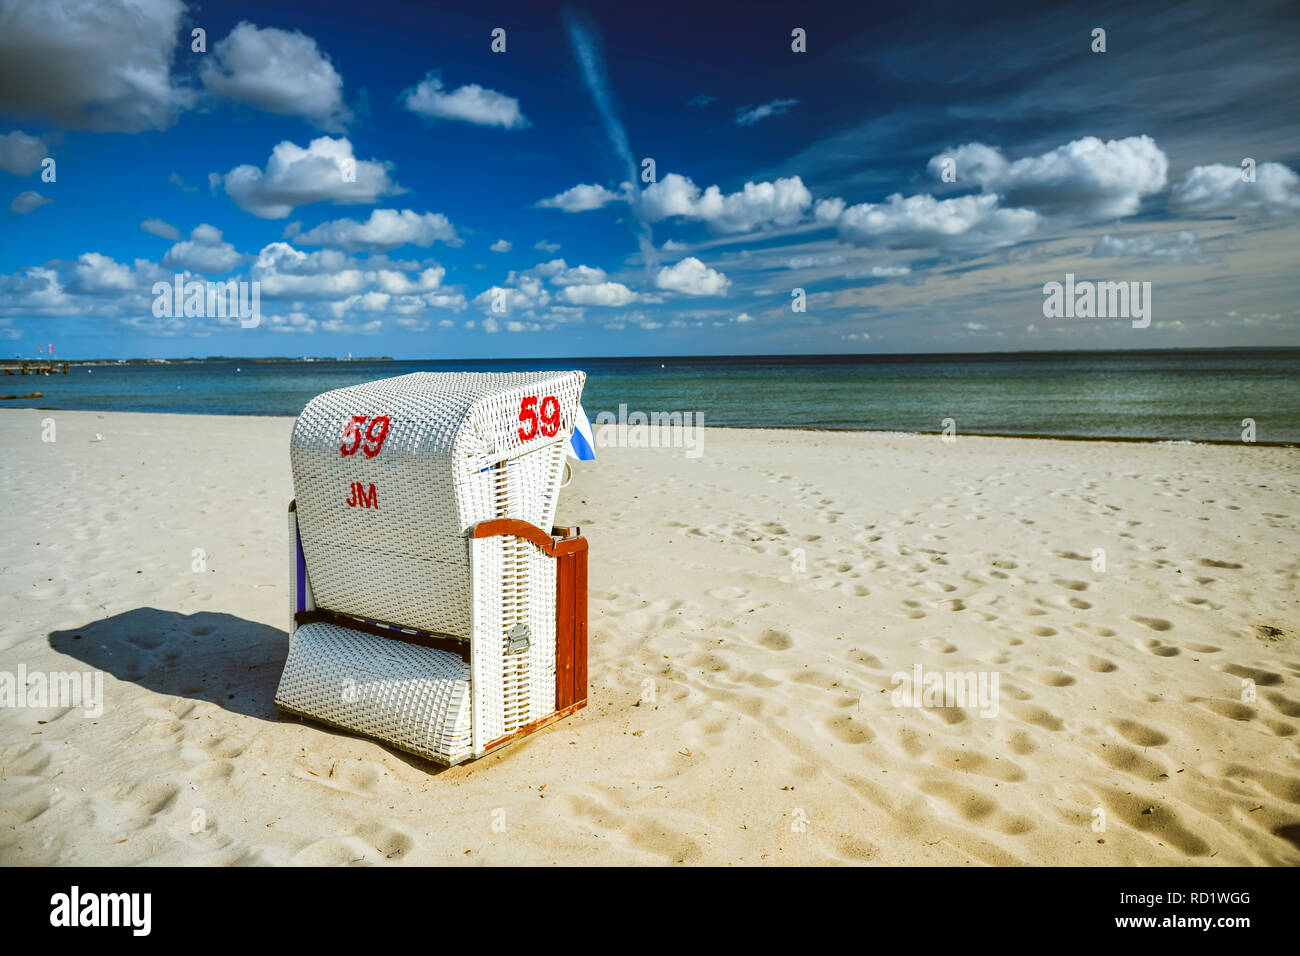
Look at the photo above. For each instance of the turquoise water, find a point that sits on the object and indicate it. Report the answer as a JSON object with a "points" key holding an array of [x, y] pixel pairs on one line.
{"points": [[1200, 395]]}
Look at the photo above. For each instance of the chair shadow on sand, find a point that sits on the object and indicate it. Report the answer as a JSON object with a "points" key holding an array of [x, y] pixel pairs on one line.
{"points": [[206, 656]]}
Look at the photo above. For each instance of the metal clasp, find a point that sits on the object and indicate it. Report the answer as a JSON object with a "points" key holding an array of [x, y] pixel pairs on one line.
{"points": [[519, 640]]}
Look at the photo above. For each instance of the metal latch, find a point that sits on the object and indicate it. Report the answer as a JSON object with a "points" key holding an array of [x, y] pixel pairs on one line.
{"points": [[519, 641]]}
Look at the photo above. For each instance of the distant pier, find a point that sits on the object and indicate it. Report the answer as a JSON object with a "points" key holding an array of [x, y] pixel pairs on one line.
{"points": [[35, 367]]}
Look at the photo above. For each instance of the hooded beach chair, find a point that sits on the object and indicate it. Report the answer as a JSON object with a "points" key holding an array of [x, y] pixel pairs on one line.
{"points": [[429, 607]]}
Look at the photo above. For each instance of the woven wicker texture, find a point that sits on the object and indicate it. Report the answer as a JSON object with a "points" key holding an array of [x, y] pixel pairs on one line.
{"points": [[416, 698], [451, 456]]}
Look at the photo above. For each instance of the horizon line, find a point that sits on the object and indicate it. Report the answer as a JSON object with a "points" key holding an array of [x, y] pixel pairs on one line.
{"points": [[648, 356]]}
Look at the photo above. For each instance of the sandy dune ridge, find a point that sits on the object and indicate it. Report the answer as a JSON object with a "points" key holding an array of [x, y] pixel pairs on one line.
{"points": [[749, 610]]}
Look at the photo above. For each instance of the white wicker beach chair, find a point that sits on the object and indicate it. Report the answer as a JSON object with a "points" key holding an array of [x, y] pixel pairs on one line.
{"points": [[429, 607]]}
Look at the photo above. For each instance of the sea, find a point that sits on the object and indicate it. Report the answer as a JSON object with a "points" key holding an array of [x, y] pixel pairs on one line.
{"points": [[1202, 395]]}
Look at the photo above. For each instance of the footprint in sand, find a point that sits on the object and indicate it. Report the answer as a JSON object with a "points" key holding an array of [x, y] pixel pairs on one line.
{"points": [[1147, 815], [1133, 762], [1280, 728], [910, 742], [1159, 648], [368, 844], [1097, 629], [360, 777], [148, 798], [1030, 714], [866, 659], [1154, 623], [1261, 678], [1139, 734], [776, 640], [1050, 678], [28, 761], [713, 663], [968, 761], [974, 807], [1284, 704], [1021, 743], [1071, 585], [213, 770], [1230, 709], [850, 849], [848, 729], [1278, 785], [24, 807]]}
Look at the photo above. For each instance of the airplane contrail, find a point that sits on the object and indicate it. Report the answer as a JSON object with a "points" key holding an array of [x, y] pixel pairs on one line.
{"points": [[587, 48]]}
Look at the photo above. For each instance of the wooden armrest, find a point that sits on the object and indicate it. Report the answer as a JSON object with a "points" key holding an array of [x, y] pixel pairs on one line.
{"points": [[515, 527]]}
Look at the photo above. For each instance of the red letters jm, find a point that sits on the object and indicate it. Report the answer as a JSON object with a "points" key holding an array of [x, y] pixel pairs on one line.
{"points": [[362, 498]]}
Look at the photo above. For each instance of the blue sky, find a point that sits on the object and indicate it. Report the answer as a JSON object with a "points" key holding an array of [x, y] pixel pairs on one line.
{"points": [[498, 207]]}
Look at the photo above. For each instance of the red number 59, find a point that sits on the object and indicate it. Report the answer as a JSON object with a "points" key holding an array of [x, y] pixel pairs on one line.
{"points": [[549, 421], [374, 437]]}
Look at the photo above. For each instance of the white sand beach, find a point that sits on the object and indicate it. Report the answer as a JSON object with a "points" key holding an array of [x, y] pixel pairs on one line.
{"points": [[749, 609]]}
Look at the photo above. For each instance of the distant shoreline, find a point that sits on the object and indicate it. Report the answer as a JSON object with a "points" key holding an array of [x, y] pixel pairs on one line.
{"points": [[266, 360]]}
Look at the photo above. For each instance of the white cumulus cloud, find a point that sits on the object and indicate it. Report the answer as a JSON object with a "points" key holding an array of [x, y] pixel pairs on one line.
{"points": [[1218, 190], [921, 222], [99, 273], [784, 202], [580, 198], [204, 251], [33, 291], [393, 282], [385, 229], [468, 104], [279, 72], [326, 171], [1086, 177], [611, 294], [293, 322], [692, 277], [560, 273], [288, 272], [523, 292]]}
